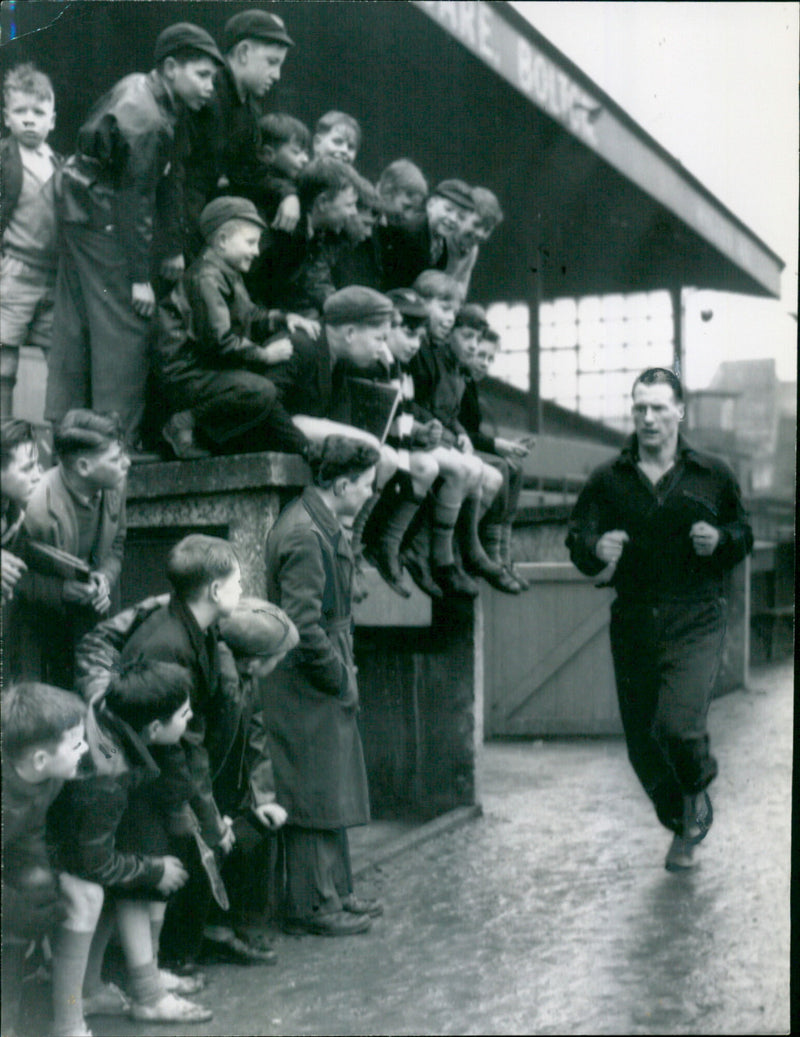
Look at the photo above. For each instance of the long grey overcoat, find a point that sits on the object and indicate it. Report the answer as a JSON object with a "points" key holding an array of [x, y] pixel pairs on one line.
{"points": [[311, 700]]}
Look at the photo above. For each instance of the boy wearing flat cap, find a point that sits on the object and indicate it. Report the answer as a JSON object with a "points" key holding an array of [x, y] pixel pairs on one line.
{"points": [[117, 191], [214, 355], [227, 139], [407, 250], [259, 635]]}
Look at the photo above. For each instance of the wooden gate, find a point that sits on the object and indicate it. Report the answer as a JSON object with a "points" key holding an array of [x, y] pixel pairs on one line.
{"points": [[547, 661]]}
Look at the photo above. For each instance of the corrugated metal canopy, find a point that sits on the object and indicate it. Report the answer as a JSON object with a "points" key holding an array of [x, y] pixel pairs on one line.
{"points": [[466, 89]]}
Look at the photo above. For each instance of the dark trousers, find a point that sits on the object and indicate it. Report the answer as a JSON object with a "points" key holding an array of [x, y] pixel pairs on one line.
{"points": [[99, 356], [237, 411], [666, 659], [318, 872]]}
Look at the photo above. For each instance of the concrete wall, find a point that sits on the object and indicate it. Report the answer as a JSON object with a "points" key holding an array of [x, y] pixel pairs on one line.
{"points": [[420, 669]]}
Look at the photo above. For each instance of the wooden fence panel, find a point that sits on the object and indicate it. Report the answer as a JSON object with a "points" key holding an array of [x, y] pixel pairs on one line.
{"points": [[547, 661]]}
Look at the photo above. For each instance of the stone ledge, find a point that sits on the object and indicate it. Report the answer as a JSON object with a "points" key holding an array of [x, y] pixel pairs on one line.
{"points": [[216, 475]]}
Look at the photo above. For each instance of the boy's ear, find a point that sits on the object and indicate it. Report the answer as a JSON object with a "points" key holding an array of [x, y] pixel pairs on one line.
{"points": [[82, 465], [269, 152], [39, 758], [152, 730], [168, 67]]}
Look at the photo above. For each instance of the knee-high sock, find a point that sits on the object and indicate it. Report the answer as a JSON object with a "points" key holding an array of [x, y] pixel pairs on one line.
{"points": [[393, 513], [446, 507], [93, 979]]}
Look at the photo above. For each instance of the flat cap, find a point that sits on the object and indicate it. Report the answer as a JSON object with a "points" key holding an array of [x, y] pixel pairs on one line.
{"points": [[257, 627], [356, 303], [456, 191], [408, 302], [255, 25], [225, 208], [182, 36], [472, 316]]}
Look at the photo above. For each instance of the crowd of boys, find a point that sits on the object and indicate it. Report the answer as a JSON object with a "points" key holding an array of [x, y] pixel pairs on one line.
{"points": [[208, 277], [218, 278]]}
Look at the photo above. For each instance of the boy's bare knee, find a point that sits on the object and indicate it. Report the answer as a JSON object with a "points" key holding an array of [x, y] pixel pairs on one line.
{"points": [[83, 902], [424, 468]]}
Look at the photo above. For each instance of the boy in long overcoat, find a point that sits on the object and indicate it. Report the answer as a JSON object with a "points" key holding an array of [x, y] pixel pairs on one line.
{"points": [[311, 704]]}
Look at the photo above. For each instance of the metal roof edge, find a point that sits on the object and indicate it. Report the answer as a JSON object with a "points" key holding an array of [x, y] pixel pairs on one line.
{"points": [[525, 27]]}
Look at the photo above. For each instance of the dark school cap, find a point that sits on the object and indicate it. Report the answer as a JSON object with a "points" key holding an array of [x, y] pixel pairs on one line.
{"points": [[183, 35], [408, 302], [225, 208], [456, 191], [472, 316], [255, 25], [257, 627], [356, 303]]}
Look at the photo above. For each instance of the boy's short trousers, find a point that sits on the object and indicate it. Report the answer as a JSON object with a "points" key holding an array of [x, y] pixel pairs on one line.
{"points": [[27, 294]]}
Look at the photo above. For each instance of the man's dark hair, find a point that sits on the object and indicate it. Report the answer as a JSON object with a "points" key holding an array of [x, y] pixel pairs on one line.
{"points": [[339, 456], [13, 433], [36, 715], [85, 432], [322, 176], [146, 690], [660, 376], [196, 561]]}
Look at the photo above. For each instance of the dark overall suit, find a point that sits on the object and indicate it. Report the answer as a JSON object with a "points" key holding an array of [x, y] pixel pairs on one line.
{"points": [[668, 621]]}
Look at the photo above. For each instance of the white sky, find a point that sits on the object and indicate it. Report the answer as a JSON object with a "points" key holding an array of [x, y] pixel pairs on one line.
{"points": [[714, 83]]}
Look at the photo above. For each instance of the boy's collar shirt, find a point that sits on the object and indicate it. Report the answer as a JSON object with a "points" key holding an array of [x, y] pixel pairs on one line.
{"points": [[40, 162]]}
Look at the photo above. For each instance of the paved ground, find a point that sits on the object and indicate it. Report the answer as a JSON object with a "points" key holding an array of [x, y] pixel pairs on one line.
{"points": [[553, 913]]}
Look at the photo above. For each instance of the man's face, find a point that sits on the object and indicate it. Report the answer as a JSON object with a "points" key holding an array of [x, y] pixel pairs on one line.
{"points": [[464, 342], [171, 731], [227, 591], [239, 245], [290, 159], [404, 341], [333, 213], [441, 317], [106, 470], [20, 476], [29, 118], [354, 493], [366, 343], [193, 81], [63, 761], [483, 359], [339, 142], [656, 415], [257, 66], [445, 218]]}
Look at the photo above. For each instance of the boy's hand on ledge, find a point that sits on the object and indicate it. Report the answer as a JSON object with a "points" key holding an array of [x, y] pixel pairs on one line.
{"points": [[512, 448], [294, 322], [271, 815], [228, 839], [288, 214], [175, 875], [13, 568], [276, 352], [143, 299], [172, 267]]}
